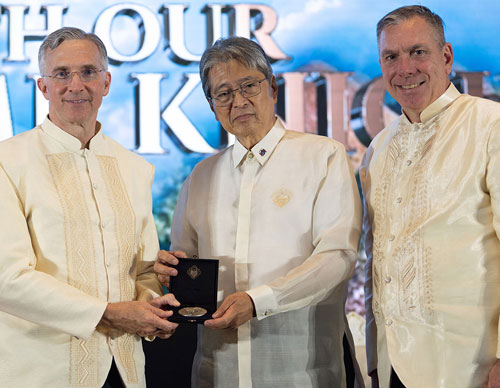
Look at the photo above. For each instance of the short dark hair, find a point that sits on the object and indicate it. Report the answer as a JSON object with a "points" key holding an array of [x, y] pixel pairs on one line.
{"points": [[243, 50], [56, 38], [409, 12]]}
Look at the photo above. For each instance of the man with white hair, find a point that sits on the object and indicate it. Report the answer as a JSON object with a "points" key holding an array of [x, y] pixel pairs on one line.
{"points": [[77, 237]]}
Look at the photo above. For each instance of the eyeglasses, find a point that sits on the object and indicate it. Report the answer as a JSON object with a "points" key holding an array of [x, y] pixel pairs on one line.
{"points": [[65, 77], [247, 89]]}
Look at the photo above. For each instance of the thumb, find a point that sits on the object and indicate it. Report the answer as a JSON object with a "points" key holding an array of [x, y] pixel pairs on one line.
{"points": [[222, 309]]}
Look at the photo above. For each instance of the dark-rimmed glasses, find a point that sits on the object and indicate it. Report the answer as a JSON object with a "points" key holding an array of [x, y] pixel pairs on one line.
{"points": [[224, 97]]}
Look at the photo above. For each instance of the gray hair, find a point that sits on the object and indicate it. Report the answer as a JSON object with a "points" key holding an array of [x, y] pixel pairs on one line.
{"points": [[56, 38], [243, 50], [409, 12]]}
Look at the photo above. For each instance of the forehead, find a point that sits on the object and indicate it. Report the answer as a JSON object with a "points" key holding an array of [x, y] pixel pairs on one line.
{"points": [[73, 53], [231, 73], [408, 33]]}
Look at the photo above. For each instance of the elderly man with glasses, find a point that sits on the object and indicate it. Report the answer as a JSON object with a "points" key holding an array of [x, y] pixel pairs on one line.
{"points": [[280, 210], [77, 237]]}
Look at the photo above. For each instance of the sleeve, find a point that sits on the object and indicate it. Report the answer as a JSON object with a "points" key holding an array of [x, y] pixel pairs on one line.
{"points": [[371, 328], [493, 185], [34, 295], [147, 284], [336, 227], [183, 236]]}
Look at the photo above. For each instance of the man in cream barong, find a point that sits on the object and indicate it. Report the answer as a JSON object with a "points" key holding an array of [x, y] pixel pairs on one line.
{"points": [[77, 237], [280, 210], [432, 194]]}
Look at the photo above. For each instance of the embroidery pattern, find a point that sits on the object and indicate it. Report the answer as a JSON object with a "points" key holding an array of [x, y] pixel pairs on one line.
{"points": [[410, 256], [124, 220], [80, 260], [282, 197]]}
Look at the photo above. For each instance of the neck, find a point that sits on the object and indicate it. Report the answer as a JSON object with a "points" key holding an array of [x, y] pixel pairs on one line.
{"points": [[413, 117], [82, 131], [249, 141]]}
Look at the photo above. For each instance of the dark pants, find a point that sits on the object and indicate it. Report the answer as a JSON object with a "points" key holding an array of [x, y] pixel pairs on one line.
{"points": [[348, 364], [395, 382], [114, 380]]}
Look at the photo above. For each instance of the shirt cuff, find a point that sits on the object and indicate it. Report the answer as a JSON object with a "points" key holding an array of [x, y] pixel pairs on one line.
{"points": [[264, 301]]}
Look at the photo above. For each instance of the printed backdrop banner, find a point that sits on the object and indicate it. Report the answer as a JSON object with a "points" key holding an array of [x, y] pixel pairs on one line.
{"points": [[324, 54]]}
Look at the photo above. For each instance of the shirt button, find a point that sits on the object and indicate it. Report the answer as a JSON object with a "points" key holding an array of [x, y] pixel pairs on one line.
{"points": [[399, 199], [108, 264], [94, 185], [391, 237], [408, 162], [250, 155], [388, 322], [388, 279], [267, 312]]}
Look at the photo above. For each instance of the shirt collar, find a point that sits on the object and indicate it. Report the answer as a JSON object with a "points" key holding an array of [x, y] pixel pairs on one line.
{"points": [[70, 142], [263, 149], [442, 102]]}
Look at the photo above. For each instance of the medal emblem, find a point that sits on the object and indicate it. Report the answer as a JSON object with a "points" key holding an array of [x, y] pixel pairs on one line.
{"points": [[193, 272]]}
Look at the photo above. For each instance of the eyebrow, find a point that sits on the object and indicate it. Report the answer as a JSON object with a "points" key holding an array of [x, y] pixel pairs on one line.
{"points": [[239, 81], [65, 68], [416, 46]]}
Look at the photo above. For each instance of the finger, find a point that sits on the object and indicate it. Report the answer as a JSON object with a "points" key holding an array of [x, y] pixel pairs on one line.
{"points": [[161, 313], [167, 299], [219, 323], [171, 299], [164, 324], [166, 257], [164, 334], [180, 254], [164, 279], [222, 308]]}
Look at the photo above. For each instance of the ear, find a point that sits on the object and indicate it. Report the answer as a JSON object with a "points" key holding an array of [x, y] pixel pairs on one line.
{"points": [[40, 82], [107, 83], [448, 57], [274, 88]]}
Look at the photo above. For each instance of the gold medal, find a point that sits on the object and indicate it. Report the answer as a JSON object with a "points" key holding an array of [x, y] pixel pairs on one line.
{"points": [[192, 311]]}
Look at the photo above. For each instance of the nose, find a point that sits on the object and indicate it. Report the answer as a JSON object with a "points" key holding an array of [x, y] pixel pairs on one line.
{"points": [[75, 83], [238, 99], [406, 66]]}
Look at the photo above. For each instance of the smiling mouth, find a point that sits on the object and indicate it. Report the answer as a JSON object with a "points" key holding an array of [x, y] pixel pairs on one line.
{"points": [[76, 101], [411, 86]]}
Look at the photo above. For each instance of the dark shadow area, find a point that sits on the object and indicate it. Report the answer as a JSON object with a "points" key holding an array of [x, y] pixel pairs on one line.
{"points": [[168, 362]]}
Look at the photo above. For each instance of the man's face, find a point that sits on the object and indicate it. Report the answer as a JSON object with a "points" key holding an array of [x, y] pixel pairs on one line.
{"points": [[414, 68], [245, 118], [74, 102]]}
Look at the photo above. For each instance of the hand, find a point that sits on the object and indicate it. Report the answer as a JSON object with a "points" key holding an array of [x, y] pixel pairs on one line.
{"points": [[235, 310], [161, 267], [141, 318], [374, 375], [494, 376]]}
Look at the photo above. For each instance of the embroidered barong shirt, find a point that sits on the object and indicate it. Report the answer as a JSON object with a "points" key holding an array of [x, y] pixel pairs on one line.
{"points": [[284, 220], [76, 232], [432, 192]]}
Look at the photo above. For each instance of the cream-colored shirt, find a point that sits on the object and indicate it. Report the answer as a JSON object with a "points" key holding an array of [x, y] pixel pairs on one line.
{"points": [[432, 192], [76, 232], [284, 220]]}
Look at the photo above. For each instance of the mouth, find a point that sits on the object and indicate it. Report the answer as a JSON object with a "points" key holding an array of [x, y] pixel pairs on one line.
{"points": [[411, 86], [79, 101], [242, 117]]}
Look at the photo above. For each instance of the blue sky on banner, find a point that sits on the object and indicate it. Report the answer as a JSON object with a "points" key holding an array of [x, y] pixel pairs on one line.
{"points": [[151, 100]]}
